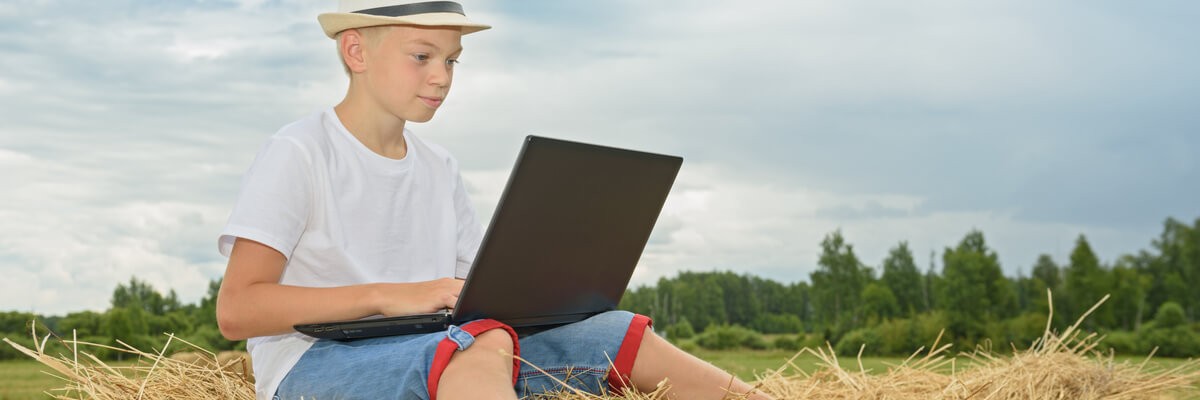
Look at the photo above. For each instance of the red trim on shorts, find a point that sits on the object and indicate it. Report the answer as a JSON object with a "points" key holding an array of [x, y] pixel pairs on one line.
{"points": [[447, 347], [618, 376]]}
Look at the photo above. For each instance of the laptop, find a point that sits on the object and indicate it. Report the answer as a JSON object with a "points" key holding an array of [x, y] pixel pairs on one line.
{"points": [[562, 244]]}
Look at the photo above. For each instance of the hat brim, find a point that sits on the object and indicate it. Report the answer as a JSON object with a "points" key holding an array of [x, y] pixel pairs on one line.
{"points": [[334, 23]]}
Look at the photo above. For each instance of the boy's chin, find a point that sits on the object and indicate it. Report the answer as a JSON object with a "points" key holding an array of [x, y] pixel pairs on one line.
{"points": [[422, 118], [419, 115]]}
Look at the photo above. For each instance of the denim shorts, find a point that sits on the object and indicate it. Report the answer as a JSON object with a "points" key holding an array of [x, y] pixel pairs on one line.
{"points": [[594, 355]]}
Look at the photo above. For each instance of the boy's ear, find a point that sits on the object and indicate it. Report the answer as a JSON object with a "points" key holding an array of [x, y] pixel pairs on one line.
{"points": [[351, 46]]}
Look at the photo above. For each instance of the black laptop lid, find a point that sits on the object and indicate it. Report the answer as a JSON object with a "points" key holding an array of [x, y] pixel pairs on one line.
{"points": [[572, 224]]}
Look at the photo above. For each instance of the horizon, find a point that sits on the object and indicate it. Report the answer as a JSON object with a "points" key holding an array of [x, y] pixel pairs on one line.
{"points": [[876, 271]]}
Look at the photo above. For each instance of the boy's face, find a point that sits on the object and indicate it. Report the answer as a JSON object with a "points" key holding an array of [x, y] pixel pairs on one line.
{"points": [[409, 72]]}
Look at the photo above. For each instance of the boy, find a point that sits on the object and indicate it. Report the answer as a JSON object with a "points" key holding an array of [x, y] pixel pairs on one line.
{"points": [[347, 214]]}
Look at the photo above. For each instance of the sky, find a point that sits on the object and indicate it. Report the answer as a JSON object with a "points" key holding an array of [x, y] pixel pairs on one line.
{"points": [[127, 124]]}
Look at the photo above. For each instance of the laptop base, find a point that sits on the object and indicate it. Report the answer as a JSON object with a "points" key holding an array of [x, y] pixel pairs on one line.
{"points": [[392, 326]]}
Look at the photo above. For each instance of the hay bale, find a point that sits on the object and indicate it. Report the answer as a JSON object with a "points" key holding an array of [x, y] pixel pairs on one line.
{"points": [[154, 376], [237, 362], [193, 357], [228, 356], [1053, 369]]}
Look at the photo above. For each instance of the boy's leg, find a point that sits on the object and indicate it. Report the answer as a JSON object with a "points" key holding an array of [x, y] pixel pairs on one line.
{"points": [[619, 348], [482, 371], [580, 355], [689, 377], [391, 367], [462, 362]]}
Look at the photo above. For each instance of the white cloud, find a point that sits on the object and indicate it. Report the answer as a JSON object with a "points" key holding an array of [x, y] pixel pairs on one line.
{"points": [[716, 221], [485, 188], [72, 258], [191, 51], [71, 241]]}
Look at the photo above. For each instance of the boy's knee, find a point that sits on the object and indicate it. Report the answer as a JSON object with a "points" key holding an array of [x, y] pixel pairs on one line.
{"points": [[468, 355], [495, 340], [490, 349]]}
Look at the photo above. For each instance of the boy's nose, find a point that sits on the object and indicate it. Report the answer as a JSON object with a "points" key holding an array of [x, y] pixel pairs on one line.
{"points": [[439, 77]]}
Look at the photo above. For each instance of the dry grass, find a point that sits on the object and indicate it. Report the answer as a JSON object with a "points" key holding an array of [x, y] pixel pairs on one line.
{"points": [[1056, 366], [154, 376]]}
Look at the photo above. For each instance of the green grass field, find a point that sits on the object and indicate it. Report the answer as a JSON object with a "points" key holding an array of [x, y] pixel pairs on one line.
{"points": [[22, 380], [28, 379]]}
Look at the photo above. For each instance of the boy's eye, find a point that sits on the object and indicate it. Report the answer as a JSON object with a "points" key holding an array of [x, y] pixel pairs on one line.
{"points": [[421, 57], [451, 62]]}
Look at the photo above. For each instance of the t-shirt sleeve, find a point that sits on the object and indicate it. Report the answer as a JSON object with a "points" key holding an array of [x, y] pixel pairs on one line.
{"points": [[469, 231], [274, 201]]}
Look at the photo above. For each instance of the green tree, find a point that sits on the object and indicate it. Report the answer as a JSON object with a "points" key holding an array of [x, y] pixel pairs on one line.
{"points": [[743, 303], [129, 325], [141, 295], [879, 303], [681, 330], [1029, 291], [15, 322], [797, 301], [699, 299], [1048, 275], [1170, 333], [206, 311], [1047, 272], [901, 276], [121, 323], [1175, 271], [1129, 292], [1169, 315], [84, 323], [777, 323], [642, 301], [933, 284], [837, 284], [974, 290], [1086, 283], [772, 295]]}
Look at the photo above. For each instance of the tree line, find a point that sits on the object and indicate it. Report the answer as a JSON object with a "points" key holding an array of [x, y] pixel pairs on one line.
{"points": [[895, 308], [138, 315]]}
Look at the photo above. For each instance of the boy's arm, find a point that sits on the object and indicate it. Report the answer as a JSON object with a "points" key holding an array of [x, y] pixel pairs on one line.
{"points": [[252, 303]]}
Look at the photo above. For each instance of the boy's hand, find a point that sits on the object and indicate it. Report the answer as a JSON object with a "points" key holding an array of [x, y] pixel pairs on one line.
{"points": [[421, 297]]}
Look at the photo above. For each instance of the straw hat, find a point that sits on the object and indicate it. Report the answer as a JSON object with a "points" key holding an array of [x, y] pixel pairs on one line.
{"points": [[363, 13]]}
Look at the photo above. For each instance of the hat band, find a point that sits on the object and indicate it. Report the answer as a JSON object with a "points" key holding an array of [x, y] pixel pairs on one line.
{"points": [[415, 8]]}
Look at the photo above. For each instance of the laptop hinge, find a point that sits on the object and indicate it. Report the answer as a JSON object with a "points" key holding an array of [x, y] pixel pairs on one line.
{"points": [[547, 320]]}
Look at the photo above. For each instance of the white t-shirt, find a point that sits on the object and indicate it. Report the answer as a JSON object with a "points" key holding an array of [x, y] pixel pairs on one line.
{"points": [[344, 215]]}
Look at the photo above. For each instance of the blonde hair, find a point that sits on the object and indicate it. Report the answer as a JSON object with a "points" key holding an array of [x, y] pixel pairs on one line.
{"points": [[372, 36]]}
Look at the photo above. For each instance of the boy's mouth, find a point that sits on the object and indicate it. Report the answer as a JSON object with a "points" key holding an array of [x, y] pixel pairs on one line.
{"points": [[432, 102]]}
